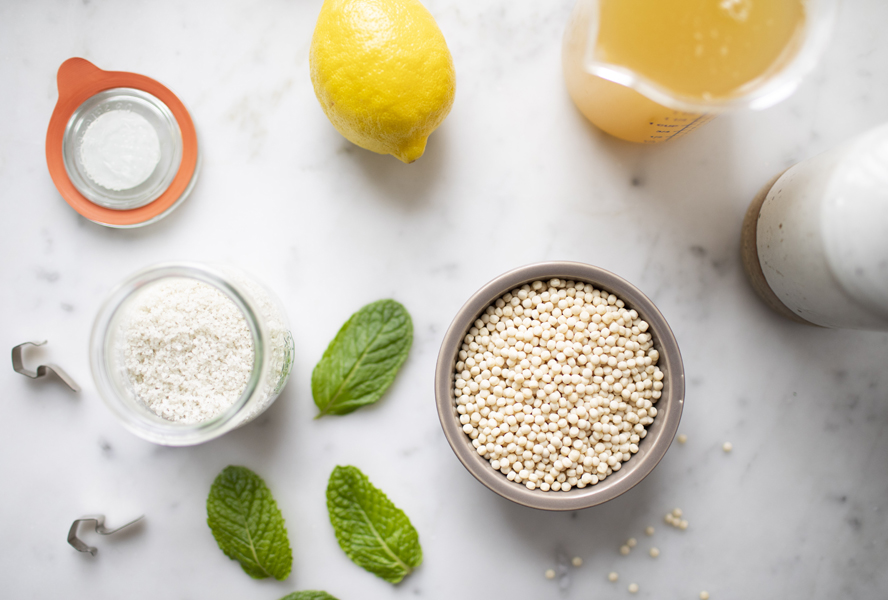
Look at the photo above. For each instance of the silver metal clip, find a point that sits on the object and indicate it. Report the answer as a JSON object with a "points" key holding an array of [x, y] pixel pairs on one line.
{"points": [[42, 370], [99, 521]]}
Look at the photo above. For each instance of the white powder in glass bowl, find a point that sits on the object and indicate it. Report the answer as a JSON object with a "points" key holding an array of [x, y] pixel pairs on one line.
{"points": [[188, 350], [120, 150]]}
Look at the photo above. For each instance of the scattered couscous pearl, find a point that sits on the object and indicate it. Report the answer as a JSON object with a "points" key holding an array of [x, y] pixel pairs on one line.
{"points": [[655, 552], [704, 595], [727, 446], [682, 438], [612, 576], [624, 550], [649, 531], [674, 519], [633, 588], [556, 383], [576, 561], [631, 542], [550, 574]]}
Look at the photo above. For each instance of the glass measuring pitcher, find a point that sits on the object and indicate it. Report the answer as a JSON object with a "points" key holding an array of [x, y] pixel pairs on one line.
{"points": [[658, 101]]}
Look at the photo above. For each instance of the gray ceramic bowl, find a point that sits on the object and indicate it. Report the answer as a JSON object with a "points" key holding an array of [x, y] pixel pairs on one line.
{"points": [[650, 450]]}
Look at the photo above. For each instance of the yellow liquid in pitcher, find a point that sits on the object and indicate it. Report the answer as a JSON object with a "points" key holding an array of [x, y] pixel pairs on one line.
{"points": [[696, 49]]}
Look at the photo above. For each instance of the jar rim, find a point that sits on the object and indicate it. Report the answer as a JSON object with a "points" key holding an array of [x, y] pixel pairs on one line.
{"points": [[155, 428]]}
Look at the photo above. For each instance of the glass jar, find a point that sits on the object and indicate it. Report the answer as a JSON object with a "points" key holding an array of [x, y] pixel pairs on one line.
{"points": [[272, 347]]}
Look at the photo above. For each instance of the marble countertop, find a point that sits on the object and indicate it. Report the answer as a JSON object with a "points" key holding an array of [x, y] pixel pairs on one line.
{"points": [[799, 509]]}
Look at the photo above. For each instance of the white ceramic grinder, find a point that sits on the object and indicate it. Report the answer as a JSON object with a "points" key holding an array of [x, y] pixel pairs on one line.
{"points": [[815, 239]]}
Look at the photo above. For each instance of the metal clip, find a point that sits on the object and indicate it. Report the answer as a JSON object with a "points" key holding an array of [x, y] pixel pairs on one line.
{"points": [[42, 370], [99, 521]]}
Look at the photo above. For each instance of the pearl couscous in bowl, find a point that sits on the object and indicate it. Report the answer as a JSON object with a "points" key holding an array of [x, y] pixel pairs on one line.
{"points": [[559, 385]]}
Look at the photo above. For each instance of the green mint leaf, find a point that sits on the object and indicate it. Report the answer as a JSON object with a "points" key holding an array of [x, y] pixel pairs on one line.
{"points": [[361, 362], [247, 524], [308, 595], [372, 531]]}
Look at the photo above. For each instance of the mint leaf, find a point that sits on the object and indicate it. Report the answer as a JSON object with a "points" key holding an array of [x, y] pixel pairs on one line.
{"points": [[308, 595], [361, 362], [372, 531], [247, 524]]}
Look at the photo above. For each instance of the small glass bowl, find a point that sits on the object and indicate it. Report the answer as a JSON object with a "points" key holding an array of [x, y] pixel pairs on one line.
{"points": [[165, 126], [116, 155], [659, 434], [272, 353]]}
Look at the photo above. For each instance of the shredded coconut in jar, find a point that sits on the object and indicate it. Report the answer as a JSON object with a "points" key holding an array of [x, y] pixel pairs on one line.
{"points": [[188, 350], [555, 384]]}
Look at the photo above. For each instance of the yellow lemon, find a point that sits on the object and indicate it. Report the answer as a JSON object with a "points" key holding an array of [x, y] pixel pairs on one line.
{"points": [[382, 73]]}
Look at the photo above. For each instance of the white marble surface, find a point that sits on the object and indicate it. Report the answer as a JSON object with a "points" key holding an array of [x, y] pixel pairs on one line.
{"points": [[799, 509]]}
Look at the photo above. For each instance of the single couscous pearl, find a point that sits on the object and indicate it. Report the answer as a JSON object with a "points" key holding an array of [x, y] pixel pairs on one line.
{"points": [[704, 595], [624, 550], [550, 574], [649, 530], [576, 561], [655, 552], [682, 438], [613, 576], [631, 542], [727, 446], [633, 588], [683, 524]]}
